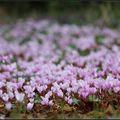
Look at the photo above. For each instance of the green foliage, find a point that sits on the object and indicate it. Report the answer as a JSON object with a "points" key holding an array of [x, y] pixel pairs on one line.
{"points": [[25, 40], [99, 69], [37, 98], [75, 101], [92, 98], [75, 11], [60, 58], [18, 110], [99, 39], [22, 108], [72, 46], [83, 52], [61, 104]]}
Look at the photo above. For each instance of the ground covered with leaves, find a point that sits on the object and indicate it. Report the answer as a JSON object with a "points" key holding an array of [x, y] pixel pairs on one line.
{"points": [[52, 70]]}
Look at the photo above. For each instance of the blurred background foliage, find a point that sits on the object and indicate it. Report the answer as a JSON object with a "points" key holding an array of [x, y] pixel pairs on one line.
{"points": [[81, 12]]}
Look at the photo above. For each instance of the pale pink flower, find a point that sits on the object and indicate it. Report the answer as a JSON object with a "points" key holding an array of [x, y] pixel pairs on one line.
{"points": [[116, 89], [8, 106], [30, 106], [5, 97], [11, 95], [60, 93], [51, 103], [19, 96]]}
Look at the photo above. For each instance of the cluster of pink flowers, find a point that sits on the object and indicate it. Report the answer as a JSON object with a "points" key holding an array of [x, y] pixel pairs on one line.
{"points": [[52, 60]]}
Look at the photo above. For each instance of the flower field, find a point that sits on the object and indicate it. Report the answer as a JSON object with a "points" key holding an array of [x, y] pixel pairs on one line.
{"points": [[47, 69]]}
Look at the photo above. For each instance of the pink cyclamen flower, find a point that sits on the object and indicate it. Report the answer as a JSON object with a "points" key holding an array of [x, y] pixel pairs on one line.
{"points": [[49, 94], [11, 95], [45, 101], [30, 106], [60, 93], [70, 101], [5, 97], [1, 92], [116, 89], [51, 103], [8, 106], [19, 96]]}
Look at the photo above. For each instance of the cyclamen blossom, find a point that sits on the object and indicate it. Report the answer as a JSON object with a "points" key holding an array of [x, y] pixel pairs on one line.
{"points": [[30, 106], [49, 94], [68, 99], [8, 106], [58, 61], [5, 97], [60, 93], [116, 89], [11, 95], [1, 92], [92, 90], [51, 103], [84, 94], [19, 96], [31, 100], [46, 101]]}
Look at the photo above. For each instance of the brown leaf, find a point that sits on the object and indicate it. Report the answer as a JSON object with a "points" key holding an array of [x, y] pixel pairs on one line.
{"points": [[24, 116], [109, 110], [1, 105], [37, 108], [118, 40], [104, 105], [67, 108]]}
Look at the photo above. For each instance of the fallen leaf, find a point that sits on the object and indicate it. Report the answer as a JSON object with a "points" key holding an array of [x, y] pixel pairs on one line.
{"points": [[104, 105], [1, 106], [67, 108], [109, 110]]}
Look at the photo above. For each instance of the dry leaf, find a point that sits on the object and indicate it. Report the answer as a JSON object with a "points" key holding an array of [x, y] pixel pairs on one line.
{"points": [[67, 108], [1, 106], [118, 40], [109, 110], [104, 105]]}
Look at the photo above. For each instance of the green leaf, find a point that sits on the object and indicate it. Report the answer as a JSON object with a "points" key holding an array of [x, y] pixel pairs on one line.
{"points": [[37, 98], [67, 108], [60, 58], [75, 101], [99, 39], [22, 108], [25, 40], [83, 52], [40, 41], [44, 32], [72, 46], [99, 69], [62, 104], [93, 98]]}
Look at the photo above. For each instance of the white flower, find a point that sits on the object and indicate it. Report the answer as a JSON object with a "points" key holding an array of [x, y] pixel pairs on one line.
{"points": [[116, 89], [10, 94], [2, 116], [45, 101], [50, 102], [19, 96], [49, 94], [5, 97], [8, 106], [60, 93], [30, 106], [1, 92], [31, 99]]}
